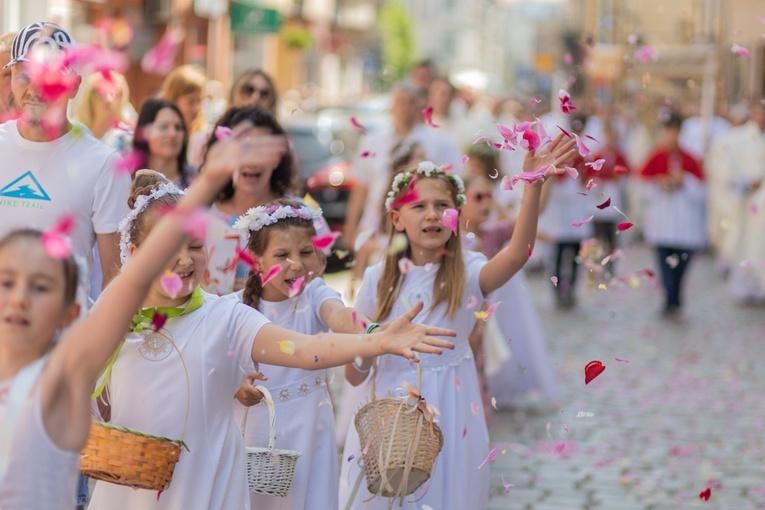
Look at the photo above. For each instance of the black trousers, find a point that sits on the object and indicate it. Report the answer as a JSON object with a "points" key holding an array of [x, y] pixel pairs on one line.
{"points": [[672, 272], [566, 265]]}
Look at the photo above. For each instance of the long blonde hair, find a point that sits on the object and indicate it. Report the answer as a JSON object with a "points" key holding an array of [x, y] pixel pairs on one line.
{"points": [[181, 81], [449, 283], [85, 110]]}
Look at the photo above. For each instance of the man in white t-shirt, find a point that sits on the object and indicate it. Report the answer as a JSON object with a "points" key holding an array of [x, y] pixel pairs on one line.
{"points": [[372, 166], [51, 167]]}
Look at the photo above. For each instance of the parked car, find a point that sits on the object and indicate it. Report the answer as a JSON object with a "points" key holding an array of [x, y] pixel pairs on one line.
{"points": [[325, 174]]}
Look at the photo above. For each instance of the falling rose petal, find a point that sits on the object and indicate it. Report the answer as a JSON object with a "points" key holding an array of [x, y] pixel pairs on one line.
{"points": [[596, 165], [494, 403], [398, 244], [129, 163], [528, 251], [706, 494], [427, 114], [246, 258], [621, 227], [554, 280], [457, 383], [506, 485], [367, 154], [568, 59], [646, 54], [474, 409], [222, 132], [487, 314], [357, 125], [195, 224], [523, 126], [506, 184], [622, 360], [621, 170], [161, 58], [565, 428], [287, 347], [465, 159], [464, 431], [506, 132], [604, 204], [296, 287], [740, 51], [484, 139], [592, 370], [324, 243], [271, 274], [56, 240], [590, 185], [361, 239], [745, 264], [581, 147], [530, 140], [450, 219], [568, 135], [572, 172], [580, 223], [445, 168], [534, 100], [472, 302], [405, 265], [171, 283], [490, 457], [158, 320], [565, 102]]}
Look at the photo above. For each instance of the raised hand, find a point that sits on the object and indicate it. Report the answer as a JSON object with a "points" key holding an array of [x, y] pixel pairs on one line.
{"points": [[557, 153], [403, 338], [244, 147], [247, 394]]}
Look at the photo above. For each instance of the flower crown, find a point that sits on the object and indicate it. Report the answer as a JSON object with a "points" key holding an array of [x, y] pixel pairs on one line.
{"points": [[428, 169], [141, 203], [264, 215]]}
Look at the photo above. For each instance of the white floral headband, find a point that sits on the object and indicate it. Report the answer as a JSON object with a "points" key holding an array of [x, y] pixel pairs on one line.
{"points": [[141, 203], [262, 216], [428, 169]]}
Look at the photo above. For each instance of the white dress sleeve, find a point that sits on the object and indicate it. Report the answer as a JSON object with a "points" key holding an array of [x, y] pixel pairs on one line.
{"points": [[317, 293], [474, 262]]}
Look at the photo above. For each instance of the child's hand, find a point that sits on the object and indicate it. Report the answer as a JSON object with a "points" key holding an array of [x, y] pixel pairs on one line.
{"points": [[403, 338], [244, 147], [556, 153], [248, 395]]}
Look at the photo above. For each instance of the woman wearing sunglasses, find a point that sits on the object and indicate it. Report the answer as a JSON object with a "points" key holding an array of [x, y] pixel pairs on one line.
{"points": [[254, 87]]}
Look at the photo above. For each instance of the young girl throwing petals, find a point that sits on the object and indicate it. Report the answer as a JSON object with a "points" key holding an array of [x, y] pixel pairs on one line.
{"points": [[46, 414], [177, 379], [281, 235], [447, 281]]}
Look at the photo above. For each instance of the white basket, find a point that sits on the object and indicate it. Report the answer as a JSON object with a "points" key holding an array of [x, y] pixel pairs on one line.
{"points": [[269, 470]]}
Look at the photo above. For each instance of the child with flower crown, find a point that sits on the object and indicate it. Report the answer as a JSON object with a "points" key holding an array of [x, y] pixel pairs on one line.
{"points": [[285, 289], [423, 206], [178, 368]]}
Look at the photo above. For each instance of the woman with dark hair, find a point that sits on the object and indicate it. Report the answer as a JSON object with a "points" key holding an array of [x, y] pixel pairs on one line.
{"points": [[254, 186], [254, 87], [160, 138]]}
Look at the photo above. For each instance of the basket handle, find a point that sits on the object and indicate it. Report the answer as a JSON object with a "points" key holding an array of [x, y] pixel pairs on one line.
{"points": [[373, 375], [271, 415]]}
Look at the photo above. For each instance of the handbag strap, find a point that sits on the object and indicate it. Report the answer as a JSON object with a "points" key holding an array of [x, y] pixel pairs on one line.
{"points": [[20, 388]]}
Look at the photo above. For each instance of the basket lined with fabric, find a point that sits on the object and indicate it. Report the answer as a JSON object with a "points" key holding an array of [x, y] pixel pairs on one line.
{"points": [[269, 470], [129, 457], [400, 442]]}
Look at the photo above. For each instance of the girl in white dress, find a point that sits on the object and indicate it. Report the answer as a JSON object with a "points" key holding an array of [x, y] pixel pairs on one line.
{"points": [[45, 416], [281, 234], [178, 379], [438, 274]]}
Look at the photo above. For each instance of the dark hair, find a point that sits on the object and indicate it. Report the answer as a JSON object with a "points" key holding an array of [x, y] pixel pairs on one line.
{"points": [[283, 177], [71, 272], [246, 76], [144, 183], [488, 157], [148, 114], [673, 121], [258, 242]]}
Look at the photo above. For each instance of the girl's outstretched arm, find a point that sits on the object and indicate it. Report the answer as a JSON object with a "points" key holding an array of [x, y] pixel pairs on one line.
{"points": [[75, 363], [278, 346], [342, 319], [511, 259]]}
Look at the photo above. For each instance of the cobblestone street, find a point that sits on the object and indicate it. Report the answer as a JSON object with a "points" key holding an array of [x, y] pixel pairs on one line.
{"points": [[681, 412]]}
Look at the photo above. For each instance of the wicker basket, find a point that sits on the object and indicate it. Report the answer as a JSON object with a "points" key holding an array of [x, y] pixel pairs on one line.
{"points": [[129, 457], [399, 445], [269, 470]]}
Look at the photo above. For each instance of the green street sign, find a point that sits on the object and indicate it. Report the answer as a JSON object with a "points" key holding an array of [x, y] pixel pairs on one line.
{"points": [[251, 18]]}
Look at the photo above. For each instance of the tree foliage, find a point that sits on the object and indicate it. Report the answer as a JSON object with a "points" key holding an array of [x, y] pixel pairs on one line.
{"points": [[397, 37]]}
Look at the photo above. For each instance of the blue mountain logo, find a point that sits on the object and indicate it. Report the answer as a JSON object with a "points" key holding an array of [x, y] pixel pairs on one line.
{"points": [[26, 187]]}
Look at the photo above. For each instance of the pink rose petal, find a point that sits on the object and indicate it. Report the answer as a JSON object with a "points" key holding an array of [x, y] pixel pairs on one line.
{"points": [[604, 204], [490, 457], [554, 280], [581, 147], [427, 114], [405, 265], [222, 132], [161, 58], [596, 165], [296, 287], [622, 360], [56, 240], [572, 172], [474, 409], [621, 227], [171, 283], [740, 50], [357, 125], [565, 102], [457, 383], [472, 302], [450, 220], [580, 223], [272, 272], [325, 242]]}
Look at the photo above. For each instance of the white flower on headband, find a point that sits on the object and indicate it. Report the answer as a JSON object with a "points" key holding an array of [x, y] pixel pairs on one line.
{"points": [[264, 215], [141, 203], [428, 169]]}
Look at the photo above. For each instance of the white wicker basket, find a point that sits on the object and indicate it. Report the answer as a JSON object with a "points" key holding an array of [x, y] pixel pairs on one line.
{"points": [[269, 470]]}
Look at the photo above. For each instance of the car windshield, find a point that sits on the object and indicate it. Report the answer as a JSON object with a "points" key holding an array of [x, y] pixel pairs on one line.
{"points": [[312, 153]]}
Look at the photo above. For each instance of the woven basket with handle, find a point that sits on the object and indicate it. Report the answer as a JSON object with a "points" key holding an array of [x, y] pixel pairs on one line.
{"points": [[131, 457], [399, 444], [269, 470]]}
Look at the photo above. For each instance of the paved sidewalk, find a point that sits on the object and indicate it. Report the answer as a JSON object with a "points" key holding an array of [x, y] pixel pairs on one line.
{"points": [[686, 412]]}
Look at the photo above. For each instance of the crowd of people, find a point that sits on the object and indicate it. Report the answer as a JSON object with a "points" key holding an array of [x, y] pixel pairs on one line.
{"points": [[119, 298]]}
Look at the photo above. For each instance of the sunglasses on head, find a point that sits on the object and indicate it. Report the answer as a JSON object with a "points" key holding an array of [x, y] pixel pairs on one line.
{"points": [[248, 91]]}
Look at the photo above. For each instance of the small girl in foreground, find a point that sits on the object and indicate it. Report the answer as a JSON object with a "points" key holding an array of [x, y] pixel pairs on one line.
{"points": [[422, 205], [46, 414], [281, 234], [177, 379]]}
